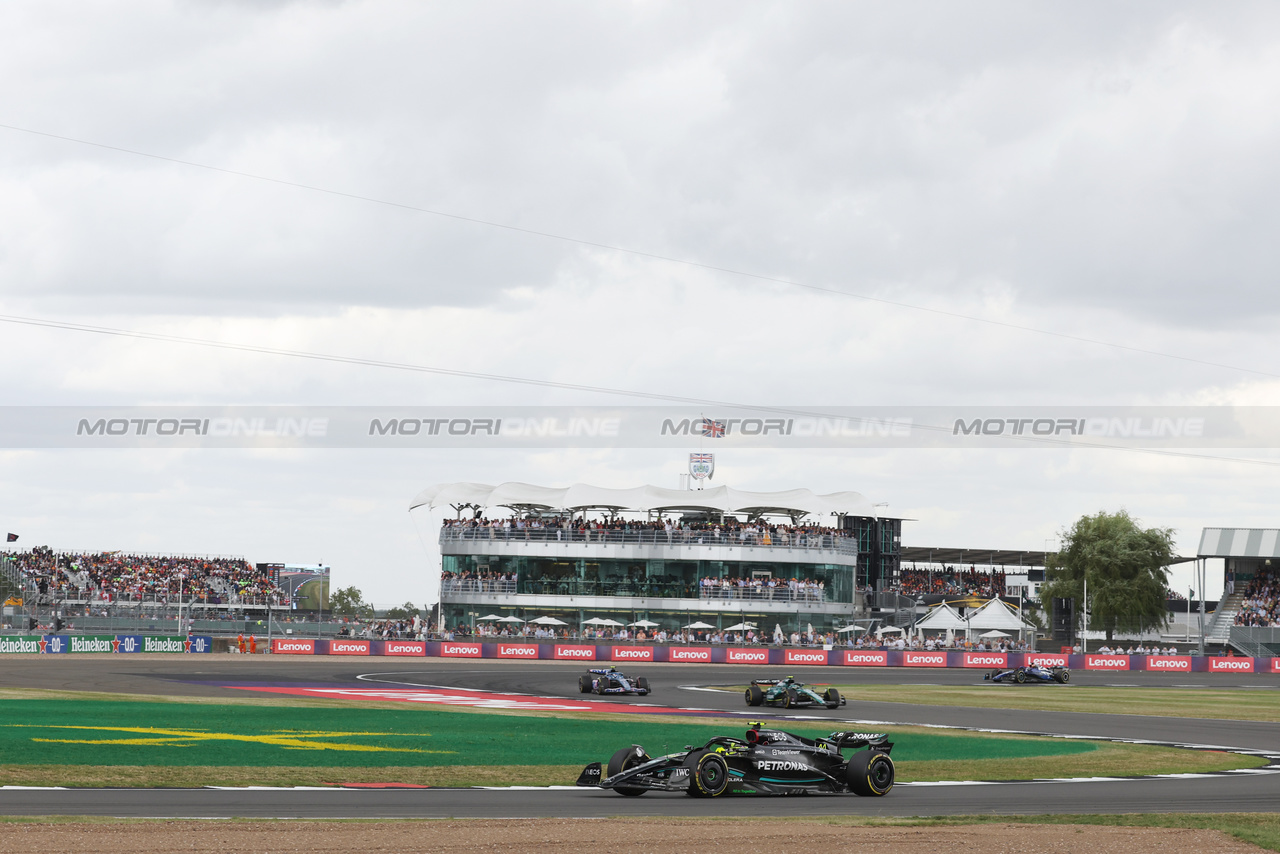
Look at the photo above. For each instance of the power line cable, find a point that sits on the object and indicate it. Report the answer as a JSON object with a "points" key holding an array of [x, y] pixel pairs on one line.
{"points": [[1004, 324]]}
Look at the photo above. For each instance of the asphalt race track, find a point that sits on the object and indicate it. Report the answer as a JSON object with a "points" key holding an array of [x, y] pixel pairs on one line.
{"points": [[200, 675]]}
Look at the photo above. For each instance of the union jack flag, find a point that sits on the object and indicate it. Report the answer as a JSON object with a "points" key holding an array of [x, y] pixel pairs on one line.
{"points": [[712, 429]]}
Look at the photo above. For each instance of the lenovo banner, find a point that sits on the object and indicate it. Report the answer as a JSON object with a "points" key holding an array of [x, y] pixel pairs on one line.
{"points": [[1177, 663], [578, 653], [700, 655], [866, 657], [746, 656], [911, 658], [403, 647], [293, 646], [631, 653], [1106, 662], [805, 656], [342, 646], [517, 650], [450, 649], [1046, 659], [1275, 665], [1231, 665], [986, 659]]}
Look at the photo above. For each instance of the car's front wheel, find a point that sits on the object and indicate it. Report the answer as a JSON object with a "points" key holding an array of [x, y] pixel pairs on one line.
{"points": [[627, 757], [755, 696], [1019, 676], [642, 684], [870, 773], [832, 698]]}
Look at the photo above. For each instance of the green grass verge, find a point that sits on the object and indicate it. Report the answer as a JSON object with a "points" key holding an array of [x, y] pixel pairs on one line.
{"points": [[1262, 704], [185, 744]]}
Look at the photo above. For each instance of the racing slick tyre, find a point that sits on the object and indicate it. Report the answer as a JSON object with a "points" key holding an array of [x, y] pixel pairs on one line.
{"points": [[870, 773], [755, 696], [710, 775], [1063, 676], [584, 684], [1020, 676], [792, 699], [642, 684], [627, 757], [601, 684], [832, 698]]}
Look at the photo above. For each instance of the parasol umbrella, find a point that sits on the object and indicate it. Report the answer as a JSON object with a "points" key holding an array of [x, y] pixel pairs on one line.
{"points": [[510, 620], [548, 621], [699, 625], [644, 624]]}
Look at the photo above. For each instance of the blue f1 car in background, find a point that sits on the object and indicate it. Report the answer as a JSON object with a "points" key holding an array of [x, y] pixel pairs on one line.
{"points": [[1030, 673], [610, 681]]}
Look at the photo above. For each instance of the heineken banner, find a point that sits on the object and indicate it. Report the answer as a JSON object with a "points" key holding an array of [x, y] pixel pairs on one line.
{"points": [[104, 643]]}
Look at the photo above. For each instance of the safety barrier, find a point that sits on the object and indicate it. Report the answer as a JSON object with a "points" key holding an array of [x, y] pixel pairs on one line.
{"points": [[105, 643]]}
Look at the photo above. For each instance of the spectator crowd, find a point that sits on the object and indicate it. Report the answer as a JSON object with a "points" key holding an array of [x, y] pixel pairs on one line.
{"points": [[1261, 606], [949, 581]]}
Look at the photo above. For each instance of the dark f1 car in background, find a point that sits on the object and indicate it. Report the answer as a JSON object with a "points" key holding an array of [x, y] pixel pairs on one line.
{"points": [[790, 694], [610, 681], [1030, 673], [768, 762]]}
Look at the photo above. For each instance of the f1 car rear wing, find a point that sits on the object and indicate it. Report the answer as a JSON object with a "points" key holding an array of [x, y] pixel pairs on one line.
{"points": [[878, 740]]}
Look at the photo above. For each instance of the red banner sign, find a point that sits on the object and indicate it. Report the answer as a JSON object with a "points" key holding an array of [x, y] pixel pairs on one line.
{"points": [[348, 647], [631, 653], [577, 653], [924, 659], [517, 650], [1177, 663], [1275, 665], [293, 646], [402, 647], [1046, 659], [1231, 665], [805, 656], [746, 656], [866, 657], [689, 654], [449, 649], [986, 659], [1106, 662]]}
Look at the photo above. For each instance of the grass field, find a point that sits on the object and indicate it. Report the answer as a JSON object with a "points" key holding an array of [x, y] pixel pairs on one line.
{"points": [[1261, 704], [97, 742]]}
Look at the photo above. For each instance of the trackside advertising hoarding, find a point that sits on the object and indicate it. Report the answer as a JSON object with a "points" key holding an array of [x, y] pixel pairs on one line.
{"points": [[865, 658], [92, 643], [912, 658], [575, 652], [343, 646], [631, 653], [689, 654], [986, 659], [1231, 665], [293, 646], [804, 656], [453, 649], [517, 650], [48, 644], [746, 656], [1106, 662], [1047, 659], [403, 647], [1172, 663]]}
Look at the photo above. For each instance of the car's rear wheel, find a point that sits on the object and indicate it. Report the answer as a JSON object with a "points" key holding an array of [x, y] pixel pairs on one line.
{"points": [[870, 773], [755, 696], [832, 696], [642, 684], [1019, 676], [711, 776], [1064, 676], [627, 757], [584, 684]]}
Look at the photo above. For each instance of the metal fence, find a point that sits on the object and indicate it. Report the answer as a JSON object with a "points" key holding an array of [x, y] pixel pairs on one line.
{"points": [[452, 587]]}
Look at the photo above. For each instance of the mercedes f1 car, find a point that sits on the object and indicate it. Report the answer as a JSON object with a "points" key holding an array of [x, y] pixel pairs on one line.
{"points": [[610, 681], [768, 762], [1030, 673], [790, 694]]}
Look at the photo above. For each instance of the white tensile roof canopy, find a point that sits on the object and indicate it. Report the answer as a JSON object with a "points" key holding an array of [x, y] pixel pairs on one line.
{"points": [[582, 496]]}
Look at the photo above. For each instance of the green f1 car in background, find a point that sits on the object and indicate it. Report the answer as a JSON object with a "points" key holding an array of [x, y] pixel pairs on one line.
{"points": [[790, 694]]}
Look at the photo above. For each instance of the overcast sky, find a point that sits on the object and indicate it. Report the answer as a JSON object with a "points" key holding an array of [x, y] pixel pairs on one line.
{"points": [[1097, 170]]}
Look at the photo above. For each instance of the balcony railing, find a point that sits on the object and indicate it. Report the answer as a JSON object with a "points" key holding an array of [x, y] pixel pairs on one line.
{"points": [[644, 589], [783, 540]]}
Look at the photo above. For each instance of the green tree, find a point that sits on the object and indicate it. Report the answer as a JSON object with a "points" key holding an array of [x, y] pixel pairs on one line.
{"points": [[403, 612], [349, 602], [1126, 568]]}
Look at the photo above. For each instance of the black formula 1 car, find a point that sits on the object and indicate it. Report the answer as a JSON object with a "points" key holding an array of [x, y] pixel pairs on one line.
{"points": [[768, 762], [610, 681], [1030, 673], [790, 694]]}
